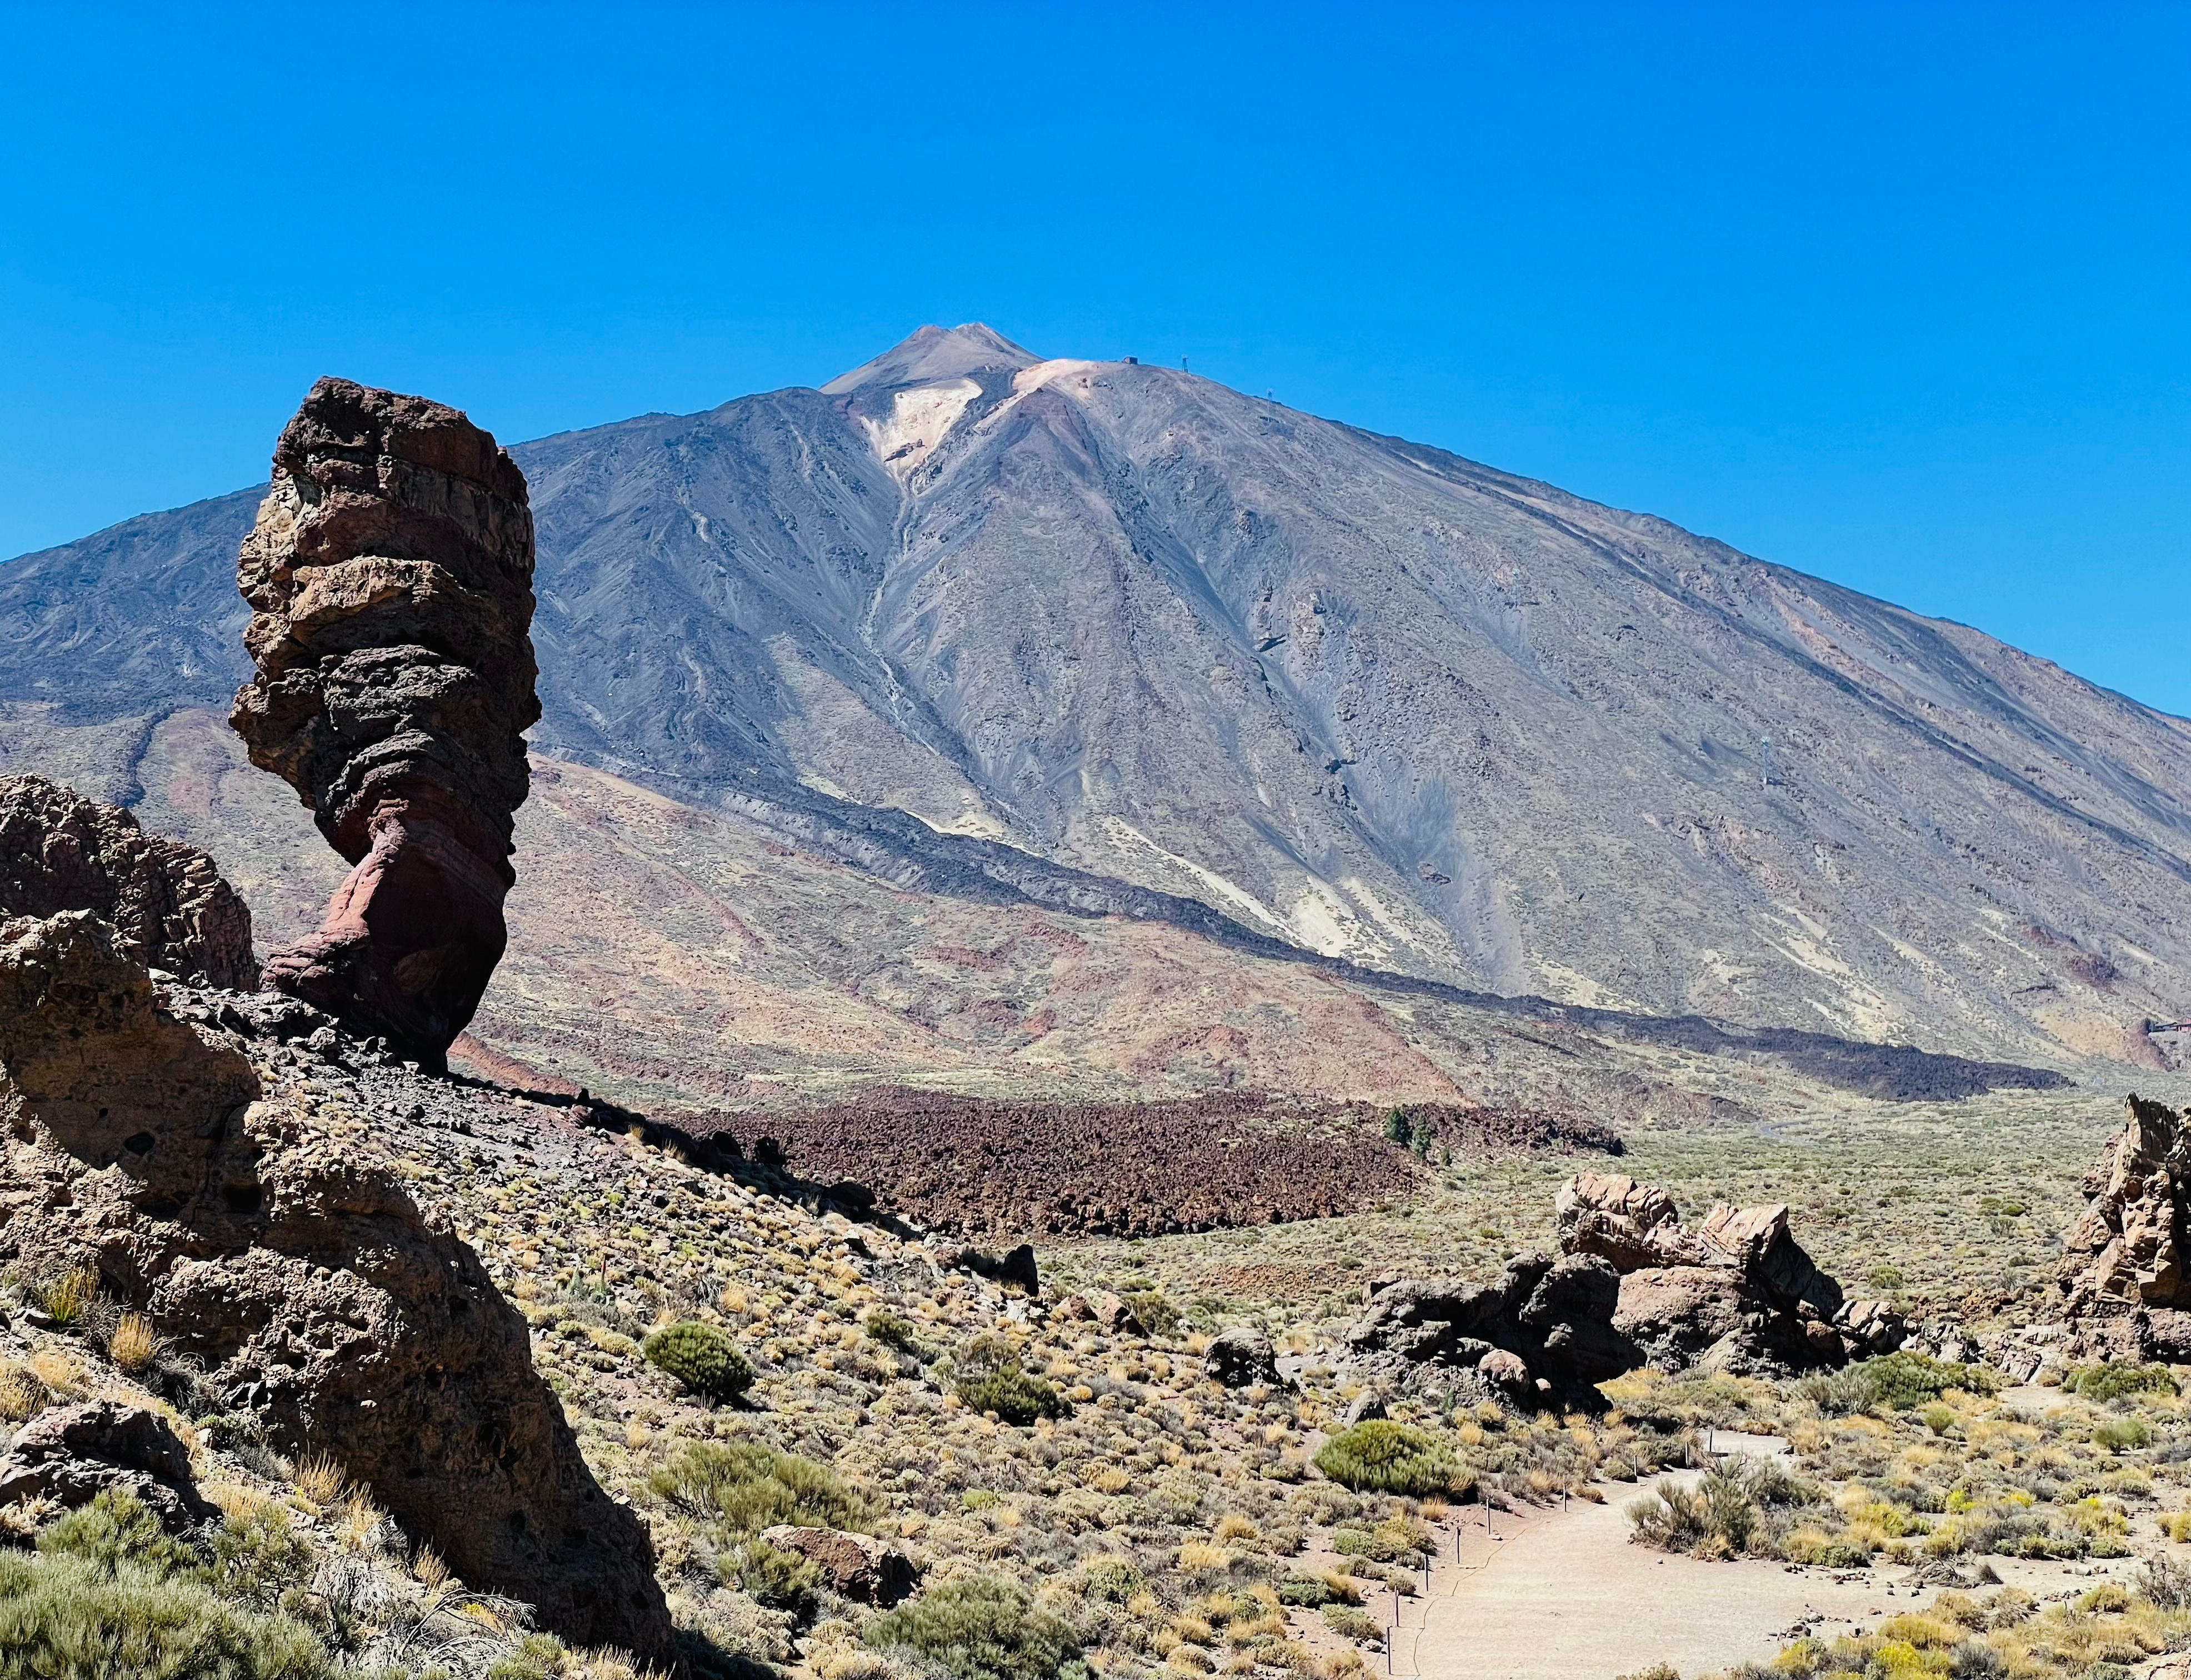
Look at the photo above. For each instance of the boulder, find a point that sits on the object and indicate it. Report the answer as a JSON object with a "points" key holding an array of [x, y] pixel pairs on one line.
{"points": [[858, 1567], [1543, 1334], [292, 1264], [1240, 1357], [71, 1454], [1738, 1293], [2123, 1283], [166, 902], [390, 575]]}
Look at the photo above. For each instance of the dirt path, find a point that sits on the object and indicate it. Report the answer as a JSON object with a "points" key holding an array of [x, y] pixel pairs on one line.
{"points": [[1562, 1595]]}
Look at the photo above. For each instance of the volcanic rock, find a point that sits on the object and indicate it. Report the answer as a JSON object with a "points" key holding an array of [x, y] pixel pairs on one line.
{"points": [[293, 1267], [1240, 1357], [1543, 1335], [71, 1454], [1739, 1294], [859, 1567], [2125, 1288], [390, 577], [165, 901]]}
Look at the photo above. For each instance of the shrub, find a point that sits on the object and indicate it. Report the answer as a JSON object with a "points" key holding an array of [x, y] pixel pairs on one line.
{"points": [[975, 1628], [1349, 1623], [1898, 1381], [1113, 1579], [135, 1344], [895, 1332], [257, 1556], [63, 1617], [2112, 1382], [1308, 1592], [539, 1656], [116, 1529], [2119, 1433], [1152, 1315], [990, 1381], [67, 1297], [701, 1357], [1380, 1457], [743, 1488], [781, 1579]]}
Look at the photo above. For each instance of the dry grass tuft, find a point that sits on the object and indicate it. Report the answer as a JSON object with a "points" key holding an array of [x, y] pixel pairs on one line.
{"points": [[321, 1480], [135, 1344]]}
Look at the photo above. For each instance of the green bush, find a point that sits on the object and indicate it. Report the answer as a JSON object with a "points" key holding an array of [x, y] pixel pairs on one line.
{"points": [[1152, 1315], [701, 1357], [2120, 1434], [1898, 1381], [115, 1530], [68, 1617], [975, 1628], [1112, 1580], [781, 1579], [1309, 1593], [258, 1556], [539, 1656], [1380, 1457], [895, 1332], [2112, 1382], [990, 1380], [741, 1488]]}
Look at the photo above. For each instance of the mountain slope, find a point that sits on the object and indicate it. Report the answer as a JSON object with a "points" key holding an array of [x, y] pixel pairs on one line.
{"points": [[1347, 692]]}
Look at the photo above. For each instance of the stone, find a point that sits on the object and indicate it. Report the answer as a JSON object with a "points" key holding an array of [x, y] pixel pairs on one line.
{"points": [[1737, 1294], [293, 1266], [858, 1567], [1240, 1357], [166, 901], [2123, 1283], [1431, 1337], [1109, 1311], [1632, 1224], [390, 574], [71, 1454]]}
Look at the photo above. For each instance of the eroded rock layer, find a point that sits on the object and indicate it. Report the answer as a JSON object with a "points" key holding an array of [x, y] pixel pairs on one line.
{"points": [[1738, 1293], [390, 574], [2125, 1287], [292, 1265], [165, 901]]}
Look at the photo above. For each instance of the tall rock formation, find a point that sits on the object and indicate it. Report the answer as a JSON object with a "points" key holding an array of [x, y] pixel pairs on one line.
{"points": [[390, 574], [2126, 1287], [166, 902]]}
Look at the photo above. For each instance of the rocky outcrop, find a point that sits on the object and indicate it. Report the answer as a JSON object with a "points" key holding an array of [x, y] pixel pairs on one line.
{"points": [[1542, 1335], [1738, 1294], [165, 901], [291, 1264], [2125, 1288], [71, 1454], [1241, 1356], [390, 575], [858, 1567]]}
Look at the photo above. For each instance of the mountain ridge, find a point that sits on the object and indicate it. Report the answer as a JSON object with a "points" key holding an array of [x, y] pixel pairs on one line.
{"points": [[1347, 692]]}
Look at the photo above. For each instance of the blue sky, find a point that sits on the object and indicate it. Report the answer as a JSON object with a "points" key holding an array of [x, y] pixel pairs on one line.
{"points": [[1898, 295]]}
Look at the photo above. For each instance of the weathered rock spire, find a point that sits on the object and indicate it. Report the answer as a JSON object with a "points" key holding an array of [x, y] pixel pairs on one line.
{"points": [[390, 576]]}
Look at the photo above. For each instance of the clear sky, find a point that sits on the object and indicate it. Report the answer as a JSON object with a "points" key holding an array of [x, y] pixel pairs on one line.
{"points": [[1898, 295]]}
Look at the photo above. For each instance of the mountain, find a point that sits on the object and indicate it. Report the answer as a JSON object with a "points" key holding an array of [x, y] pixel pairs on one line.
{"points": [[1114, 639]]}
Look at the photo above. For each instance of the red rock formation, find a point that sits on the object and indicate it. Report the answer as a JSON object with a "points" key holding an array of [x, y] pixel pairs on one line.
{"points": [[168, 902], [390, 576]]}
